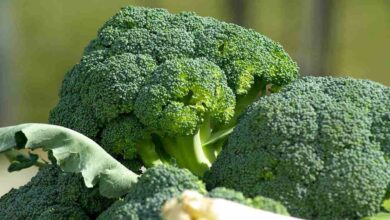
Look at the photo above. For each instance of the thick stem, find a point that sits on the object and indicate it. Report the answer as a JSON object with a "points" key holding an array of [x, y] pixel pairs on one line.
{"points": [[148, 154], [213, 145], [196, 152], [188, 153]]}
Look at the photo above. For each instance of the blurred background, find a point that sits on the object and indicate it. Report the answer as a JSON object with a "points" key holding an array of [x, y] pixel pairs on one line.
{"points": [[40, 40]]}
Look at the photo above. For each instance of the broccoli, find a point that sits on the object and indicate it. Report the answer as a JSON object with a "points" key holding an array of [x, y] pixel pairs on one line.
{"points": [[156, 87], [52, 194], [163, 182], [320, 146], [154, 187], [258, 202]]}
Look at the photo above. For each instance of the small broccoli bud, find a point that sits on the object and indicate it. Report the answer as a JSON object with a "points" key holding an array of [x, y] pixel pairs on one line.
{"points": [[157, 185]]}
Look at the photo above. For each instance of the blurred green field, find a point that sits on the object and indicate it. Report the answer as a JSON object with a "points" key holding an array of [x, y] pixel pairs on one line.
{"points": [[40, 40]]}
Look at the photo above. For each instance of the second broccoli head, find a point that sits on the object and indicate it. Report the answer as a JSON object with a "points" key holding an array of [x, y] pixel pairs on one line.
{"points": [[155, 87], [320, 146]]}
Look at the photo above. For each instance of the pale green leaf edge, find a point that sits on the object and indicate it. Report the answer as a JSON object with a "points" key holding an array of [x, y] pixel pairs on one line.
{"points": [[74, 153]]}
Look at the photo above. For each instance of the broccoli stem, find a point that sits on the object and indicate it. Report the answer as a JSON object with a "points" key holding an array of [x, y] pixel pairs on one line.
{"points": [[147, 152], [213, 145], [196, 152], [188, 152]]}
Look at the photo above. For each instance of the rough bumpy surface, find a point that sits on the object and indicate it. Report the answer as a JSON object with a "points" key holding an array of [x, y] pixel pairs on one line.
{"points": [[53, 194], [257, 202], [151, 75], [157, 185], [320, 146]]}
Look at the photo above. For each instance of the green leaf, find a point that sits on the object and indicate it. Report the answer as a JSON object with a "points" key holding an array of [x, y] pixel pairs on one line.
{"points": [[74, 152]]}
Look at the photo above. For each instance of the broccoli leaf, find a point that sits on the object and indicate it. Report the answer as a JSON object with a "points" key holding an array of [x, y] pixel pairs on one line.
{"points": [[74, 152]]}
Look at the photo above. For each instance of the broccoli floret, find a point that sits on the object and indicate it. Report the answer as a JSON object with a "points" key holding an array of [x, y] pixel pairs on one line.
{"points": [[60, 212], [320, 146], [155, 186], [155, 87], [52, 194], [163, 182], [258, 202]]}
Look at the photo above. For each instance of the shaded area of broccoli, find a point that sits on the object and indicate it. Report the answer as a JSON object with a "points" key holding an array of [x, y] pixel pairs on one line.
{"points": [[155, 186], [320, 146], [53, 194], [258, 202], [163, 182], [156, 87]]}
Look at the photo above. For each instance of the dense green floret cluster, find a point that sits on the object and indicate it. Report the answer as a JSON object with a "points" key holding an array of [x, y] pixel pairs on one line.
{"points": [[321, 146], [157, 185], [163, 182], [258, 202], [53, 194], [170, 84]]}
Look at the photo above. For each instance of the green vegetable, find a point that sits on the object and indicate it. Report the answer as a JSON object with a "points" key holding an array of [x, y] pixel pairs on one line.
{"points": [[73, 153], [161, 183], [155, 186], [52, 194], [320, 146], [155, 87], [258, 202]]}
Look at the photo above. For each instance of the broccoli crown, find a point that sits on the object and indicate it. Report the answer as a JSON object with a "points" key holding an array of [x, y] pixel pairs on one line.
{"points": [[150, 75], [257, 202], [320, 146], [155, 186], [52, 194], [181, 92]]}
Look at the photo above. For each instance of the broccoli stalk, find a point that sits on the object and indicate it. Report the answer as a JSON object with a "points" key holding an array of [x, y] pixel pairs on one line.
{"points": [[156, 87], [196, 152]]}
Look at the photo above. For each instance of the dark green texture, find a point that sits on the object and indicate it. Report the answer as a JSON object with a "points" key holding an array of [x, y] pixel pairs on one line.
{"points": [[320, 146], [72, 151], [155, 186], [257, 202], [158, 87], [53, 194]]}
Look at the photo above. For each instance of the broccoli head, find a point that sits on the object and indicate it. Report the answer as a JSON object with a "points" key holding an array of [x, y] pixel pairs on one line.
{"points": [[154, 187], [53, 194], [320, 146], [257, 202], [155, 87], [163, 182]]}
